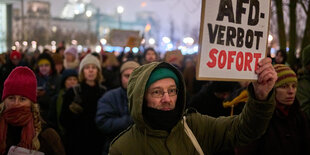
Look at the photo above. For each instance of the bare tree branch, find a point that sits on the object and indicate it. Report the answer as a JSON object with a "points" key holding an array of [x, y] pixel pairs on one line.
{"points": [[303, 5]]}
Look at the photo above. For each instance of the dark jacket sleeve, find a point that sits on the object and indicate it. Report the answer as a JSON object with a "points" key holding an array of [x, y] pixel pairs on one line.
{"points": [[215, 134], [109, 118], [67, 116]]}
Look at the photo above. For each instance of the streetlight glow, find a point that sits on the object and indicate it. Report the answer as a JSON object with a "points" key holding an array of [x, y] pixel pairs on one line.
{"points": [[270, 38], [166, 40], [188, 41], [88, 13], [103, 41], [151, 41], [120, 9]]}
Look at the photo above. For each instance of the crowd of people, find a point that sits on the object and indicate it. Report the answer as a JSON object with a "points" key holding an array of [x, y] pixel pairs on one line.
{"points": [[99, 103]]}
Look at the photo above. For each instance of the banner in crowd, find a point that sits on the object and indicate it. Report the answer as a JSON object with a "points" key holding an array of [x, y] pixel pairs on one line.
{"points": [[233, 39], [124, 38]]}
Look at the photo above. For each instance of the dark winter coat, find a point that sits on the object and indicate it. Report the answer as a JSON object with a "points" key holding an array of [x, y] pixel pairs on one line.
{"points": [[286, 135], [50, 142], [113, 114], [82, 134], [213, 134]]}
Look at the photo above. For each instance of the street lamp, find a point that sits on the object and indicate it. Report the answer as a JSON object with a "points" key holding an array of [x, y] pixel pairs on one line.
{"points": [[120, 11], [88, 14]]}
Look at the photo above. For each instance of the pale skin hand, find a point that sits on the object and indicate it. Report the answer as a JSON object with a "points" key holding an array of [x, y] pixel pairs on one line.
{"points": [[267, 77]]}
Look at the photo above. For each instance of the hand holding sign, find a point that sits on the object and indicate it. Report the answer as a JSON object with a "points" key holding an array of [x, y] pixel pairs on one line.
{"points": [[267, 77]]}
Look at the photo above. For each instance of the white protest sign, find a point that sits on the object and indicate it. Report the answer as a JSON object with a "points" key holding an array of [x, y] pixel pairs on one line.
{"points": [[233, 39]]}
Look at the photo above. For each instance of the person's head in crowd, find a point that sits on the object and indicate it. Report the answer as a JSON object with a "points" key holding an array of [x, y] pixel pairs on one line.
{"points": [[58, 62], [281, 56], [15, 57], [306, 58], [90, 70], [19, 109], [69, 78], [286, 85], [71, 54], [150, 55], [126, 70], [60, 51], [160, 89], [46, 65]]}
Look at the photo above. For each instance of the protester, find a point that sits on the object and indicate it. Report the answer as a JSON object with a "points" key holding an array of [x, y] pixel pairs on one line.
{"points": [[281, 57], [149, 55], [59, 66], [20, 123], [156, 103], [5, 70], [113, 114], [79, 110], [68, 80], [303, 91], [48, 83], [288, 131], [71, 60]]}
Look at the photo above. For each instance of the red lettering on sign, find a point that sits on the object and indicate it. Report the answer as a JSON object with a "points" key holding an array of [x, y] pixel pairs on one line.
{"points": [[241, 59], [212, 57]]}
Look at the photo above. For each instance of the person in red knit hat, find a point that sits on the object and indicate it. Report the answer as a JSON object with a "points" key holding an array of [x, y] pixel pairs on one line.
{"points": [[21, 127]]}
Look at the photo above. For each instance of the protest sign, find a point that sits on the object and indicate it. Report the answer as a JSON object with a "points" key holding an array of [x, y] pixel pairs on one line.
{"points": [[233, 39], [122, 37]]}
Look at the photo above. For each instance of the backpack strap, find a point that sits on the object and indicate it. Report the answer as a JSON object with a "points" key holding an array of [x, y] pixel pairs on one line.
{"points": [[192, 137]]}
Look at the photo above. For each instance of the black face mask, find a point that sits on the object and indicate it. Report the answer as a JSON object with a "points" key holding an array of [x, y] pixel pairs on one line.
{"points": [[161, 120]]}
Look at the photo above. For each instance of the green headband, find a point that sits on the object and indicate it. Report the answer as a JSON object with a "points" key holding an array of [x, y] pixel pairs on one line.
{"points": [[162, 73]]}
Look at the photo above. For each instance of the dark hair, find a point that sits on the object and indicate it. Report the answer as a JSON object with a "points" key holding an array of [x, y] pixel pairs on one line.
{"points": [[283, 54], [149, 49]]}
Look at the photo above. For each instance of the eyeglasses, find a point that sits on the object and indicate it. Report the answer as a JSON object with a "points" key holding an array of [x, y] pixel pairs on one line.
{"points": [[159, 93]]}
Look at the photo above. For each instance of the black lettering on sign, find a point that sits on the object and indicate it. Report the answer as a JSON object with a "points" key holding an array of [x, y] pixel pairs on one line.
{"points": [[249, 39], [220, 35], [240, 10], [258, 34], [240, 35], [230, 35], [225, 9], [254, 4], [212, 33]]}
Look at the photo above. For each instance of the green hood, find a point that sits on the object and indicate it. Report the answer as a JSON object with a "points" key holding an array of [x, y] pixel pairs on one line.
{"points": [[136, 90]]}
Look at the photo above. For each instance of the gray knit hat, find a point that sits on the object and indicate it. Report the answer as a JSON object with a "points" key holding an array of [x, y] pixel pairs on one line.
{"points": [[129, 64], [89, 59]]}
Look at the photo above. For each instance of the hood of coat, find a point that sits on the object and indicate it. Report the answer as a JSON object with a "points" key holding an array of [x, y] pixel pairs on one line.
{"points": [[136, 91]]}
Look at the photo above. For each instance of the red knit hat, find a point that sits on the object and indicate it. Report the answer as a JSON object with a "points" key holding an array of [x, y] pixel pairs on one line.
{"points": [[21, 81], [15, 55]]}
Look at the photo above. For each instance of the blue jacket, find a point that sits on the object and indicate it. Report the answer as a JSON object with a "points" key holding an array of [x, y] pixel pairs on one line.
{"points": [[112, 114]]}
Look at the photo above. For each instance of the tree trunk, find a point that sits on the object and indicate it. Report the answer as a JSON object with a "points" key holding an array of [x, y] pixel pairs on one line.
{"points": [[281, 26], [306, 38], [291, 59]]}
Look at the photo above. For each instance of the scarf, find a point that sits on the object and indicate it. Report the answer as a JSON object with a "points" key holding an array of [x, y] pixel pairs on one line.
{"points": [[71, 65], [20, 116], [161, 120]]}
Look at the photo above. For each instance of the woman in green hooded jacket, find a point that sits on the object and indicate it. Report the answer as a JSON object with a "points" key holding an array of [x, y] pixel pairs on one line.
{"points": [[156, 95]]}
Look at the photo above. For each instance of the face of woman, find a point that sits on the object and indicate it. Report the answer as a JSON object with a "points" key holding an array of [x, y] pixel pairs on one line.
{"points": [[90, 72], [285, 94], [45, 69], [69, 57], [15, 101]]}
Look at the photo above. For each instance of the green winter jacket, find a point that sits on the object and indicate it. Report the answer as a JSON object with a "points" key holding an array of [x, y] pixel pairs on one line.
{"points": [[303, 93], [213, 134]]}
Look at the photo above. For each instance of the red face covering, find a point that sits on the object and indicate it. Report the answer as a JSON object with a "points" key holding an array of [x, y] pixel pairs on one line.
{"points": [[22, 117]]}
